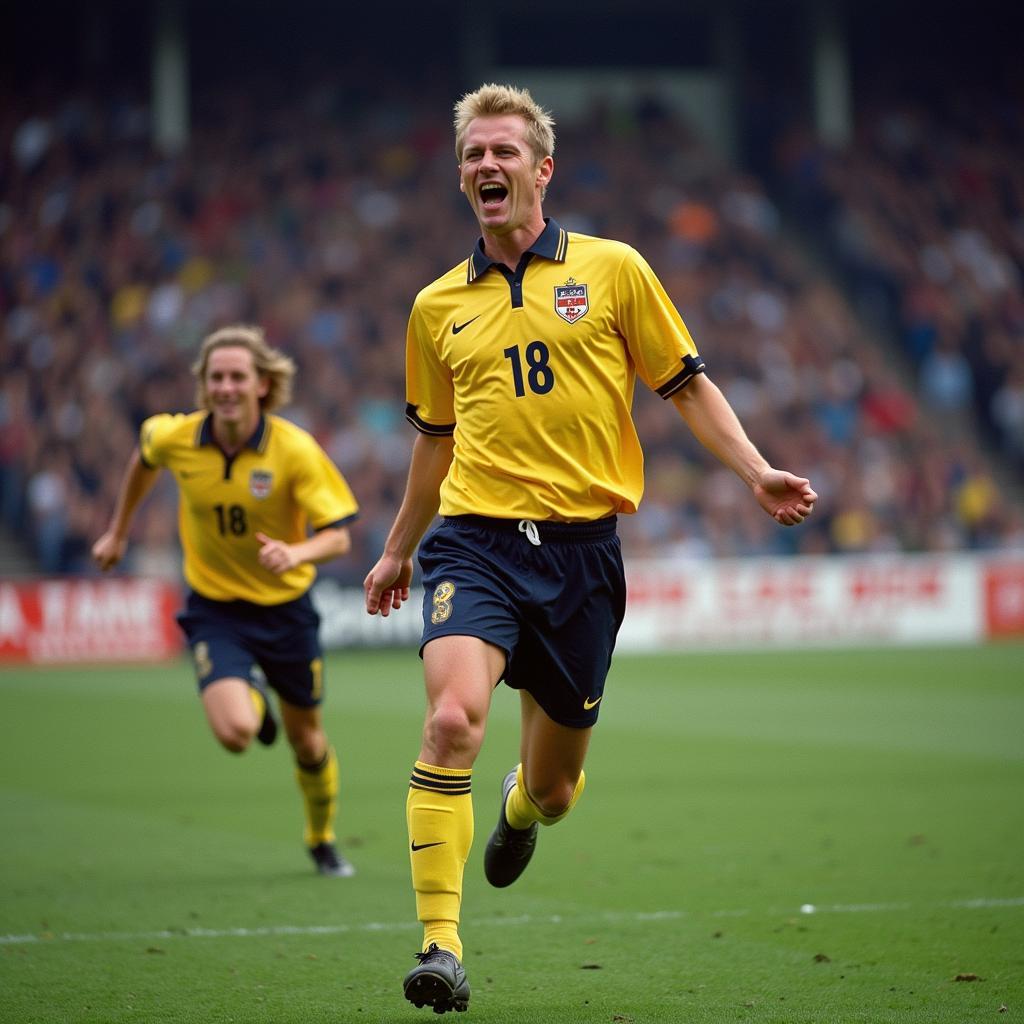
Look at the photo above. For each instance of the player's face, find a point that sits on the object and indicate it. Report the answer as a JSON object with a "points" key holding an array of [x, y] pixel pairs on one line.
{"points": [[234, 387], [500, 174]]}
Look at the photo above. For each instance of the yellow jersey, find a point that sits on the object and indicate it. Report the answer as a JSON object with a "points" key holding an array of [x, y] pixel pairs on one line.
{"points": [[281, 483], [533, 372]]}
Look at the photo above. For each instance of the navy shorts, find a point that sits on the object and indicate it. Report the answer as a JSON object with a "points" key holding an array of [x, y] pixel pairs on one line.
{"points": [[231, 638], [554, 608]]}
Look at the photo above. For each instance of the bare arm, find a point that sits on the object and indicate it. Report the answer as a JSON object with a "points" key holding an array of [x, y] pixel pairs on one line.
{"points": [[137, 482], [387, 583], [322, 546], [788, 499]]}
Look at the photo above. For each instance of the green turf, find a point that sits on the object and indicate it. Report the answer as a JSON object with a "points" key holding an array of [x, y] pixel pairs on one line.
{"points": [[147, 876]]}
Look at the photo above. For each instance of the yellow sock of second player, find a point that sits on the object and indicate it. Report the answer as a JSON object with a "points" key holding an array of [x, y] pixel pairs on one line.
{"points": [[319, 785], [521, 812], [439, 813], [259, 703]]}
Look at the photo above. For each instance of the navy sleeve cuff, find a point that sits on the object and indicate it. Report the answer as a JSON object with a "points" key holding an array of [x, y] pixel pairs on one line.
{"points": [[434, 429], [692, 365]]}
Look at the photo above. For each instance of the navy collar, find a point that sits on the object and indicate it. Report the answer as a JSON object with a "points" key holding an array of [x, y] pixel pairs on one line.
{"points": [[552, 243], [255, 442]]}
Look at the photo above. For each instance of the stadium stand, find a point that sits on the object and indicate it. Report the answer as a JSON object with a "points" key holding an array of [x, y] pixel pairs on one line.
{"points": [[925, 215], [320, 218]]}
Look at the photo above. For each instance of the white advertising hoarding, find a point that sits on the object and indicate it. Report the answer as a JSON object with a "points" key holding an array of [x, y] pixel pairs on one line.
{"points": [[803, 602], [785, 602]]}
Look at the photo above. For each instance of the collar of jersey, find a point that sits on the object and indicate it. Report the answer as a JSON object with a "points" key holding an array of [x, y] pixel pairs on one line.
{"points": [[254, 442], [551, 243]]}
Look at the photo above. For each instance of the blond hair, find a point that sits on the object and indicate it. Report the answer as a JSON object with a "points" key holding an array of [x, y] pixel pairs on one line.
{"points": [[493, 100], [270, 363]]}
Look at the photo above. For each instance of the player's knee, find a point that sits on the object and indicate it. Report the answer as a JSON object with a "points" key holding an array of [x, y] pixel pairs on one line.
{"points": [[310, 748], [451, 731], [554, 797], [234, 737]]}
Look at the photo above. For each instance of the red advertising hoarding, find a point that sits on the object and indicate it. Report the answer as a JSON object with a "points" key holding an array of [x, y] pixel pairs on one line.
{"points": [[1004, 599], [55, 621]]}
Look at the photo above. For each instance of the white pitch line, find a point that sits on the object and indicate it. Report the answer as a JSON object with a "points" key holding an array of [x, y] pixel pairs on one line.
{"points": [[858, 908], [285, 930], [1016, 901]]}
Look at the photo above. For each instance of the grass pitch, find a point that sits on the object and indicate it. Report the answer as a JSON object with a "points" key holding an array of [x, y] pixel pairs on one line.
{"points": [[788, 837]]}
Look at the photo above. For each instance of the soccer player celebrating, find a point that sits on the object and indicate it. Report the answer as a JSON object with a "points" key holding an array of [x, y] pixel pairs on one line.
{"points": [[251, 488], [521, 363]]}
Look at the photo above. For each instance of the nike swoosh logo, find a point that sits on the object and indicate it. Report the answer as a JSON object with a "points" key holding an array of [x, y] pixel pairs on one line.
{"points": [[424, 846], [588, 703], [461, 327]]}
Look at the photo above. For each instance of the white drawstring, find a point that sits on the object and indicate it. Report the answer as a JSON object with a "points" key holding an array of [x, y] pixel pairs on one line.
{"points": [[530, 529]]}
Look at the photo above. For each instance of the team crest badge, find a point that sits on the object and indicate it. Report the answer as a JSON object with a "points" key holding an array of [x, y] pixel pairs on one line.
{"points": [[571, 301], [259, 483]]}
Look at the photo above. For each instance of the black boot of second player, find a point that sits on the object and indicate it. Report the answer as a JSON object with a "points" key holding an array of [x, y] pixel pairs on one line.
{"points": [[438, 981], [509, 849], [330, 862]]}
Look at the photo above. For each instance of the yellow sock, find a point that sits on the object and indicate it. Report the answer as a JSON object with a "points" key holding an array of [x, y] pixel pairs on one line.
{"points": [[319, 787], [258, 703], [439, 813], [521, 812]]}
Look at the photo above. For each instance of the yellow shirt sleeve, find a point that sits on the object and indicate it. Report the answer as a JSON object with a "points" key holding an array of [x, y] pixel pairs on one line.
{"points": [[429, 391], [658, 341], [321, 491], [152, 434]]}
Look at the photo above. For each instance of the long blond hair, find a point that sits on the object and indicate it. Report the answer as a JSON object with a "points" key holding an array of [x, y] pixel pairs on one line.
{"points": [[270, 363]]}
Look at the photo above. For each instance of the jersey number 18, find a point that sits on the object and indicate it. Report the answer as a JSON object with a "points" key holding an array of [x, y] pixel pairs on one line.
{"points": [[539, 376], [230, 519]]}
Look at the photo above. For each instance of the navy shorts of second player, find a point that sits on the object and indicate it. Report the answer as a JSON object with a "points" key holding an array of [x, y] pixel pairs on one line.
{"points": [[229, 637], [551, 595]]}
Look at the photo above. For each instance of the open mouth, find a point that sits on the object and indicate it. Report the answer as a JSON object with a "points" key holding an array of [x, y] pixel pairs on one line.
{"points": [[492, 194]]}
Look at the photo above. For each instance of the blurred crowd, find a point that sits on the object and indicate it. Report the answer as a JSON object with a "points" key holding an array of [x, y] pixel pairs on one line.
{"points": [[925, 215], [321, 217]]}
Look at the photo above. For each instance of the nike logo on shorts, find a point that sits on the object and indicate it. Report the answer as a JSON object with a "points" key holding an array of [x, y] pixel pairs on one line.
{"points": [[588, 703]]}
